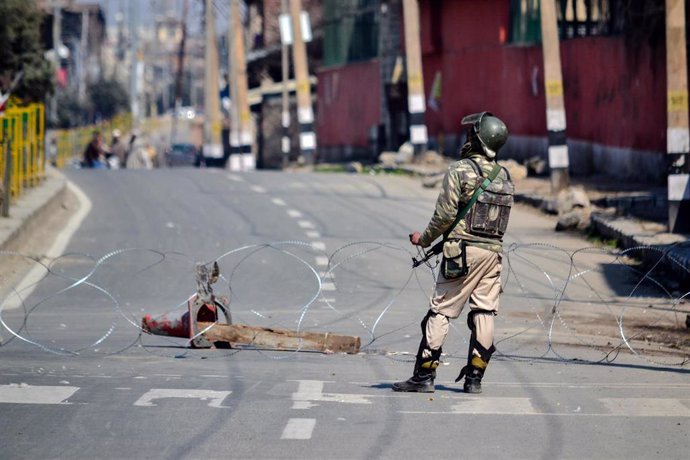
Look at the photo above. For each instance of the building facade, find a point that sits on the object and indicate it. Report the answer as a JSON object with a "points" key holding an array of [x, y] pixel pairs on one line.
{"points": [[486, 55]]}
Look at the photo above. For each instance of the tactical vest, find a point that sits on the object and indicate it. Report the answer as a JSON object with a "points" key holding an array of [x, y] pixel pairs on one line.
{"points": [[488, 218]]}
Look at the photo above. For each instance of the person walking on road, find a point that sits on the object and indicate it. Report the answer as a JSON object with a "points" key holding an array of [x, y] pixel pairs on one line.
{"points": [[94, 154], [118, 148], [471, 214]]}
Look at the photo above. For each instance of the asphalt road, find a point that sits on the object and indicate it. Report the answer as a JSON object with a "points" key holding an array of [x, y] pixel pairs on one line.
{"points": [[81, 382]]}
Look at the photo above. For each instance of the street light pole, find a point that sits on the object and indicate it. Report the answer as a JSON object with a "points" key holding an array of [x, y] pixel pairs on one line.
{"points": [[555, 106], [240, 100], [677, 133], [305, 112], [416, 105], [212, 124], [285, 115]]}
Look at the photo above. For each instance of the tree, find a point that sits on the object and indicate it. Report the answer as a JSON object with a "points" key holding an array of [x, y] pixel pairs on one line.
{"points": [[21, 49], [108, 97]]}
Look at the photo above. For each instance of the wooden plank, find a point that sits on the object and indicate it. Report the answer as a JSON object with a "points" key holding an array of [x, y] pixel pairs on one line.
{"points": [[239, 335]]}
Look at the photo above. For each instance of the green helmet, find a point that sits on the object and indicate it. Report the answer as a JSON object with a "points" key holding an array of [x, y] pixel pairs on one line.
{"points": [[490, 130]]}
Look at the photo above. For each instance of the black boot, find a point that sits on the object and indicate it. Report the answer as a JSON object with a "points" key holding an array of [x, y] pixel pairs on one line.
{"points": [[473, 374], [416, 384], [473, 381], [422, 380]]}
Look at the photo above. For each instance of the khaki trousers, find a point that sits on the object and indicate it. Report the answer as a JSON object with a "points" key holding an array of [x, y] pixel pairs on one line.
{"points": [[481, 286]]}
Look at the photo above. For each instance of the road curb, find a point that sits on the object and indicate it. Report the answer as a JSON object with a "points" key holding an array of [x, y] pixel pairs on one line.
{"points": [[631, 233], [31, 208]]}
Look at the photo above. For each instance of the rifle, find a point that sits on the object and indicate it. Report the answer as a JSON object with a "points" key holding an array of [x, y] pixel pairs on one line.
{"points": [[434, 251]]}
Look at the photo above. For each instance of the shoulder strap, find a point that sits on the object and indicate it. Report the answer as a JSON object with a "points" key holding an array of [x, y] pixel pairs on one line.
{"points": [[478, 191]]}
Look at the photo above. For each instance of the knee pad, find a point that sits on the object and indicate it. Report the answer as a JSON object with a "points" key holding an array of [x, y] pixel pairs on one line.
{"points": [[428, 358]]}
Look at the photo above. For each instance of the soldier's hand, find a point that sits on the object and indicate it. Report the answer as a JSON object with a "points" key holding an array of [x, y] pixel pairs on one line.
{"points": [[414, 238]]}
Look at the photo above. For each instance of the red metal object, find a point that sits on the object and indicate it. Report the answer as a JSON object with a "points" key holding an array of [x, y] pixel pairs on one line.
{"points": [[177, 324]]}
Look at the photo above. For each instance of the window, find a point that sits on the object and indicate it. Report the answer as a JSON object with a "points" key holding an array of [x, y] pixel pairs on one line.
{"points": [[583, 18], [351, 31], [576, 18]]}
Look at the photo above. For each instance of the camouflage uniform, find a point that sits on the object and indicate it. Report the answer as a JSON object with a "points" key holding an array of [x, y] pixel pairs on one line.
{"points": [[481, 285]]}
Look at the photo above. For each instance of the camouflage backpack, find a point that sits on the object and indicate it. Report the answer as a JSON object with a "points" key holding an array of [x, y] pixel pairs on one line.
{"points": [[488, 218]]}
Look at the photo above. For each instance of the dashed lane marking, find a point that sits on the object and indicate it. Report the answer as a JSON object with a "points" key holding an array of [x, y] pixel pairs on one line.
{"points": [[305, 224], [313, 234], [299, 428], [278, 202], [328, 286], [294, 213], [319, 246], [322, 261], [29, 394], [258, 189], [235, 178]]}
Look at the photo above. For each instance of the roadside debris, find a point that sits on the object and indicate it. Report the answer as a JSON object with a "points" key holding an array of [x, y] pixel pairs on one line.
{"points": [[200, 323]]}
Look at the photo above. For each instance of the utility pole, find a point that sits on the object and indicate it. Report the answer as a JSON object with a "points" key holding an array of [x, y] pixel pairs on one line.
{"points": [[213, 146], [555, 106], [57, 44], [136, 69], [83, 54], [416, 105], [240, 100], [305, 112], [285, 116], [677, 133], [179, 76]]}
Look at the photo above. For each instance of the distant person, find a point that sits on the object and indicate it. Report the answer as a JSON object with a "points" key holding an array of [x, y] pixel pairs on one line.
{"points": [[94, 154], [53, 151], [471, 216], [138, 157], [118, 148]]}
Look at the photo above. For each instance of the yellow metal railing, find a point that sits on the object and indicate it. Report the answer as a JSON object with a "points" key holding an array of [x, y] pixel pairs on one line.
{"points": [[71, 143], [22, 148], [23, 145]]}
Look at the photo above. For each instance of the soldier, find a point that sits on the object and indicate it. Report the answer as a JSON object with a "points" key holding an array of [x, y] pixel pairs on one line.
{"points": [[471, 213]]}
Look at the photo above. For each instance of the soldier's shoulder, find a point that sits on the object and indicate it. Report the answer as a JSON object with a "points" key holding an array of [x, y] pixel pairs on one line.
{"points": [[464, 165]]}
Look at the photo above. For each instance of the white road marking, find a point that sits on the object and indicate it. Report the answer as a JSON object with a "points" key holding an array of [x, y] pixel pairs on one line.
{"points": [[278, 202], [28, 394], [508, 406], [322, 261], [312, 390], [305, 224], [299, 428], [319, 246], [216, 397], [294, 213], [328, 287], [27, 285], [646, 407], [313, 234], [258, 189], [615, 407], [235, 178]]}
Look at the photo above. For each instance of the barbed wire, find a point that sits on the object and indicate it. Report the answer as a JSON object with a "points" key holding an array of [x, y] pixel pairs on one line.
{"points": [[586, 305]]}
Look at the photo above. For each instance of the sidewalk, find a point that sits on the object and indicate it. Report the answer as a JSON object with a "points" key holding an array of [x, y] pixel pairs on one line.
{"points": [[635, 215], [30, 208]]}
